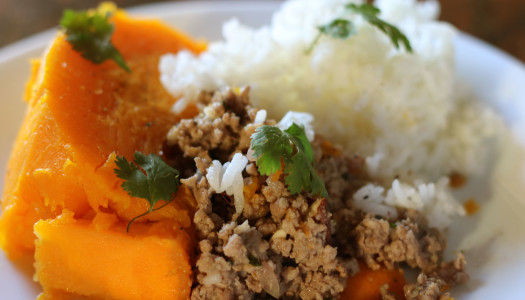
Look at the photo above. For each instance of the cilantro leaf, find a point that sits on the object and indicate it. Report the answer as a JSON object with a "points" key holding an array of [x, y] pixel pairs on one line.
{"points": [[343, 29], [338, 29], [370, 13], [149, 177], [364, 9], [135, 183], [298, 175], [90, 34], [299, 139], [254, 261], [271, 146]]}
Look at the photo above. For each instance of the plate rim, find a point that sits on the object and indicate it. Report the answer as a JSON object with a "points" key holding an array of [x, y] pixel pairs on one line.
{"points": [[481, 43]]}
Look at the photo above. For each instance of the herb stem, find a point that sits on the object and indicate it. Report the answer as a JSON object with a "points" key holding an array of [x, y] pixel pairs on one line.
{"points": [[147, 212], [314, 42]]}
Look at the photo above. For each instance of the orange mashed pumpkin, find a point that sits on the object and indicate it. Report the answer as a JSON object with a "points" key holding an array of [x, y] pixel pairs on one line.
{"points": [[62, 204]]}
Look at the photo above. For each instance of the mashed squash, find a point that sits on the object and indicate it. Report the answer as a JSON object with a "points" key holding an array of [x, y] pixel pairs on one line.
{"points": [[80, 116], [99, 259]]}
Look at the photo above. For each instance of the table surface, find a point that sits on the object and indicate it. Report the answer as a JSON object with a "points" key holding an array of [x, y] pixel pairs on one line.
{"points": [[499, 22]]}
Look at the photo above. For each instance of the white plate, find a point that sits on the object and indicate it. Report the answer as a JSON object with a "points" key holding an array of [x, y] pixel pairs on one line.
{"points": [[493, 239]]}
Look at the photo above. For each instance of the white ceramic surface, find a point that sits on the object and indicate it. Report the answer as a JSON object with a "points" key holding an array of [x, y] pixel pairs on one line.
{"points": [[493, 239]]}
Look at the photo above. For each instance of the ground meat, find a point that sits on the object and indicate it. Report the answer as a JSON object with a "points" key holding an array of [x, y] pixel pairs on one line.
{"points": [[427, 288], [218, 131], [280, 245], [434, 286], [380, 242], [260, 256], [453, 273], [342, 175], [383, 243], [292, 246], [386, 294]]}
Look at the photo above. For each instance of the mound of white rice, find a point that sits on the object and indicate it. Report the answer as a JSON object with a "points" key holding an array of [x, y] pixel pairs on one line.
{"points": [[400, 110]]}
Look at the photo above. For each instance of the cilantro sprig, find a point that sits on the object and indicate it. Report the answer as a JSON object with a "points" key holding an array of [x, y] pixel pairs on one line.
{"points": [[148, 177], [271, 146], [90, 34], [370, 13], [343, 29], [339, 29]]}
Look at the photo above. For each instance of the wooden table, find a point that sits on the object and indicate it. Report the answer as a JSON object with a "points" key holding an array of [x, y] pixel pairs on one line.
{"points": [[499, 22]]}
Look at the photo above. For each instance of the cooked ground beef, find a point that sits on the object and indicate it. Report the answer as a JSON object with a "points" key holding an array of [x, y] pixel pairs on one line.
{"points": [[453, 273], [292, 246], [380, 242], [222, 128], [427, 288], [386, 294], [277, 247], [383, 243], [283, 253]]}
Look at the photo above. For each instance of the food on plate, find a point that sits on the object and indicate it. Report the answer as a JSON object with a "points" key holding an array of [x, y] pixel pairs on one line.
{"points": [[97, 259], [309, 159], [265, 226], [404, 112], [80, 117]]}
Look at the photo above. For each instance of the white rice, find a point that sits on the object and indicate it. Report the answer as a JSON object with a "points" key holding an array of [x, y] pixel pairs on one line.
{"points": [[299, 118], [228, 178], [434, 200], [400, 110], [260, 117]]}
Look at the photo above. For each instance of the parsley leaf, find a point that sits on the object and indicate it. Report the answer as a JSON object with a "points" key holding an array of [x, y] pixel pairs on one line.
{"points": [[149, 177], [370, 13], [343, 29], [90, 34], [271, 146]]}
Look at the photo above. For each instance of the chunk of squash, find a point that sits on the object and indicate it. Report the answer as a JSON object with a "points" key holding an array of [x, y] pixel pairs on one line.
{"points": [[34, 184], [366, 284], [80, 116], [99, 260]]}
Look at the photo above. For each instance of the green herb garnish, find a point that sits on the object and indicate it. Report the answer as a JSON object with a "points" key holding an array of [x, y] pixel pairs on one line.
{"points": [[338, 29], [343, 29], [254, 261], [90, 34], [148, 177], [392, 225], [370, 13], [272, 146]]}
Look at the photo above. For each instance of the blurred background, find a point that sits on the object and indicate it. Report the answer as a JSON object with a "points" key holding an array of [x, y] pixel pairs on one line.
{"points": [[499, 22]]}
